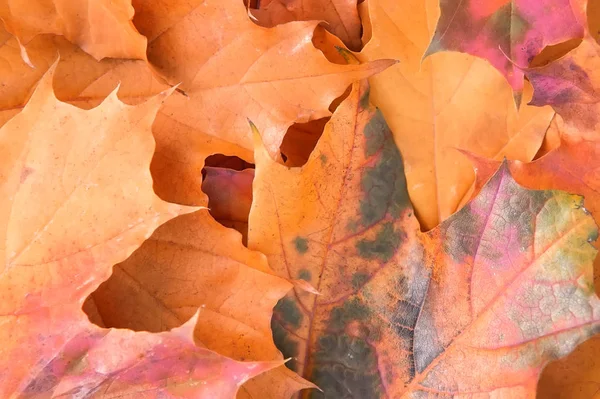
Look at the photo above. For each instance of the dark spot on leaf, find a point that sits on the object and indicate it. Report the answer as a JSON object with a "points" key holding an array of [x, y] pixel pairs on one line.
{"points": [[287, 346], [384, 184], [44, 383], [301, 245], [359, 279], [288, 312], [25, 172], [346, 368], [593, 235], [364, 100], [352, 310], [304, 274], [384, 245]]}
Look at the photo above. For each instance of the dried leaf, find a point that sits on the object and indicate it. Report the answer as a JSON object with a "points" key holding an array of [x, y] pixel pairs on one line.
{"points": [[91, 170], [102, 28], [341, 16], [572, 167], [79, 78], [446, 102], [571, 86], [514, 264], [274, 77], [507, 32], [85, 82], [194, 262]]}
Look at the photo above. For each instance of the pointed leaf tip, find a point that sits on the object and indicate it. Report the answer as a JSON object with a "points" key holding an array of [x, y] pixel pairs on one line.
{"points": [[186, 330]]}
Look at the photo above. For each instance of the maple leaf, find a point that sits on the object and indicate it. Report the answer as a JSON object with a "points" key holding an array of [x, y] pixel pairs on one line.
{"points": [[507, 32], [572, 167], [476, 306], [85, 82], [452, 100], [230, 197], [570, 86], [101, 28], [274, 77], [194, 262], [79, 78], [191, 262], [77, 198], [341, 16]]}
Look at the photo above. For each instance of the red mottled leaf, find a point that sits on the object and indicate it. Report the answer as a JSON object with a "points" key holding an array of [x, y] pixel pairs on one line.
{"points": [[475, 307], [76, 198], [572, 167], [507, 32]]}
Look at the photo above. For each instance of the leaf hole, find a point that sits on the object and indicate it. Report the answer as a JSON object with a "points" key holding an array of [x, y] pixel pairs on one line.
{"points": [[300, 141], [229, 194]]}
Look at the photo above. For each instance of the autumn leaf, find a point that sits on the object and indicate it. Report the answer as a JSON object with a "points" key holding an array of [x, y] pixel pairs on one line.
{"points": [[77, 198], [475, 306], [507, 32], [572, 167], [85, 82], [193, 262], [446, 102], [101, 28], [341, 16], [570, 85], [274, 77], [79, 78]]}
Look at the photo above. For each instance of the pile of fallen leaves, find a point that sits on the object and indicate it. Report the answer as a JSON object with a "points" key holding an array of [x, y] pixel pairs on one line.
{"points": [[319, 198]]}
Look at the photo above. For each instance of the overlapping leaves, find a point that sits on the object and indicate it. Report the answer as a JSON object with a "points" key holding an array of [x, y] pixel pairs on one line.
{"points": [[474, 307]]}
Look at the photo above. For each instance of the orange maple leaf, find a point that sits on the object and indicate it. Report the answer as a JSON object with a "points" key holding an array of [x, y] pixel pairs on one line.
{"points": [[101, 28], [477, 305], [341, 16], [76, 199], [438, 104], [241, 71]]}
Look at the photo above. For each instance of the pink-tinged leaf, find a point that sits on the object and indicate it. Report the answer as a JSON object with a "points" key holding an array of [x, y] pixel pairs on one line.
{"points": [[104, 363], [75, 198], [572, 167], [571, 85], [475, 307], [507, 33]]}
